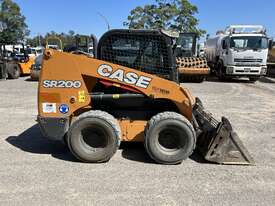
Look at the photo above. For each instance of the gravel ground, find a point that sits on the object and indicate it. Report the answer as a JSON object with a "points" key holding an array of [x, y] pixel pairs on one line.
{"points": [[36, 171]]}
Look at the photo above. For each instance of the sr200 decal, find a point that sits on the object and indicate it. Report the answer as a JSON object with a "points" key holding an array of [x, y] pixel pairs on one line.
{"points": [[105, 70], [61, 84]]}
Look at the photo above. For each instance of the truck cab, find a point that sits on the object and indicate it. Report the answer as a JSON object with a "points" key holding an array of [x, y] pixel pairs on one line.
{"points": [[241, 51]]}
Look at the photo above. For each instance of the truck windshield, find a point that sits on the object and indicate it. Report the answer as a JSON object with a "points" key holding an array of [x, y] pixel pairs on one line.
{"points": [[249, 42]]}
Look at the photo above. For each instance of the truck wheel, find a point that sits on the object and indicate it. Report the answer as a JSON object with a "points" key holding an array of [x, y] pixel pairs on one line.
{"points": [[94, 136], [253, 79], [220, 73], [169, 138], [13, 71]]}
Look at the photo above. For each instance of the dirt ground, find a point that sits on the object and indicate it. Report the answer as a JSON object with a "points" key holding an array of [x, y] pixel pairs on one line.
{"points": [[36, 171]]}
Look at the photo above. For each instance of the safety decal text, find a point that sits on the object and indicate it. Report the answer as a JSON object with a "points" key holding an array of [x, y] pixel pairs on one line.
{"points": [[49, 107]]}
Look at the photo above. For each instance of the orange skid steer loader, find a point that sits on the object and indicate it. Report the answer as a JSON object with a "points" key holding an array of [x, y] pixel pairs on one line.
{"points": [[129, 92]]}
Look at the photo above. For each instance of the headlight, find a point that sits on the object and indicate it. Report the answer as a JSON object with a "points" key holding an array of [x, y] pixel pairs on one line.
{"points": [[229, 70]]}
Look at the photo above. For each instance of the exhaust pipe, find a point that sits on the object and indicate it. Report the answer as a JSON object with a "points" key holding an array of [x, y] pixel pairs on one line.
{"points": [[217, 141]]}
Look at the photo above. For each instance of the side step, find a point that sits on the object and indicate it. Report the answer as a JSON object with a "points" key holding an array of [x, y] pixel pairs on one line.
{"points": [[217, 141]]}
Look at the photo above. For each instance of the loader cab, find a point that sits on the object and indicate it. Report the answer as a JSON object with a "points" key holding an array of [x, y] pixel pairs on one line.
{"points": [[144, 50], [83, 44], [186, 45], [54, 42]]}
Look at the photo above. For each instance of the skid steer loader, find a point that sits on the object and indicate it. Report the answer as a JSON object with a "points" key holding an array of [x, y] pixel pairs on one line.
{"points": [[129, 93]]}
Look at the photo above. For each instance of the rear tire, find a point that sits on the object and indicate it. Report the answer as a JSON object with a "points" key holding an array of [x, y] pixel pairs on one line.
{"points": [[220, 73], [94, 137], [169, 138], [13, 71]]}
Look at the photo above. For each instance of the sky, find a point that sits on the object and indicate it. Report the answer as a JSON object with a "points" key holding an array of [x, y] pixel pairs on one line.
{"points": [[84, 16]]}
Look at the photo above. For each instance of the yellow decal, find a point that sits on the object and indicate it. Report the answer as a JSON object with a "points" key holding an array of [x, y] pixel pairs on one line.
{"points": [[81, 96], [115, 96], [116, 85]]}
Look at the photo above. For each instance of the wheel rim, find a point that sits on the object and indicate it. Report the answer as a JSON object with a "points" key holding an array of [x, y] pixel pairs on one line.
{"points": [[94, 137], [169, 140]]}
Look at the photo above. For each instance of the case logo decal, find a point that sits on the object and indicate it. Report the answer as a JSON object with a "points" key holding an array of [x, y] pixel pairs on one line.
{"points": [[132, 78]]}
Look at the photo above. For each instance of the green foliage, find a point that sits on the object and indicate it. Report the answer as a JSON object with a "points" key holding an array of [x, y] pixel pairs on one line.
{"points": [[66, 38], [178, 15], [14, 29]]}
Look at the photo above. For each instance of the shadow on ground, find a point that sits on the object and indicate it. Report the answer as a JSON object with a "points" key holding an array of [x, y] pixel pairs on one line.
{"points": [[239, 80], [236, 80], [135, 151], [267, 80], [30, 80], [32, 141]]}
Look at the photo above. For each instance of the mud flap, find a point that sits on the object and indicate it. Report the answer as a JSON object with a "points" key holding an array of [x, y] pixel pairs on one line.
{"points": [[217, 141]]}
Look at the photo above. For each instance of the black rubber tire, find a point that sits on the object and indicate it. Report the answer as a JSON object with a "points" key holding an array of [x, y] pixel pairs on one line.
{"points": [[253, 79], [94, 136], [192, 78], [13, 71], [220, 73], [199, 79], [178, 129]]}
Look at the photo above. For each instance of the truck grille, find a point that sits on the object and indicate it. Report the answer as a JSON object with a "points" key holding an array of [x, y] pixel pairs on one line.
{"points": [[248, 60], [247, 65]]}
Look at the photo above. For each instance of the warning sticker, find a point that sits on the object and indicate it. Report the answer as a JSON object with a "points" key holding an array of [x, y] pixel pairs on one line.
{"points": [[49, 107], [81, 96]]}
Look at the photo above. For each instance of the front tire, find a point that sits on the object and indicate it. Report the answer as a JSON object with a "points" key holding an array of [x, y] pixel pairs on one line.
{"points": [[169, 138], [94, 137]]}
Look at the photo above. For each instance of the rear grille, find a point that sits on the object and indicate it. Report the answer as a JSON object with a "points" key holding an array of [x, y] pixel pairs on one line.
{"points": [[248, 60]]}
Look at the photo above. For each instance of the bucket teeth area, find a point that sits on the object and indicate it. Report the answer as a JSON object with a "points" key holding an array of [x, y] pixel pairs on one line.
{"points": [[217, 141]]}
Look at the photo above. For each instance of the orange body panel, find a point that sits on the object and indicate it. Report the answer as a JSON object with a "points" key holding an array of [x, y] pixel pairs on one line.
{"points": [[132, 130], [26, 66], [60, 66]]}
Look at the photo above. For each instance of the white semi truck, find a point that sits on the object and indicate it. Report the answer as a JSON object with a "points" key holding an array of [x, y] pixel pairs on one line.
{"points": [[239, 51]]}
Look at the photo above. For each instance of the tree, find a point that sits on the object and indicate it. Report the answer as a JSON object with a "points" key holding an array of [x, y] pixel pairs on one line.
{"points": [[176, 15], [66, 38], [15, 29]]}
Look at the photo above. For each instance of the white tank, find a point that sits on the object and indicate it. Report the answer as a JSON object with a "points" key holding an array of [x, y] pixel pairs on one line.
{"points": [[212, 47]]}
